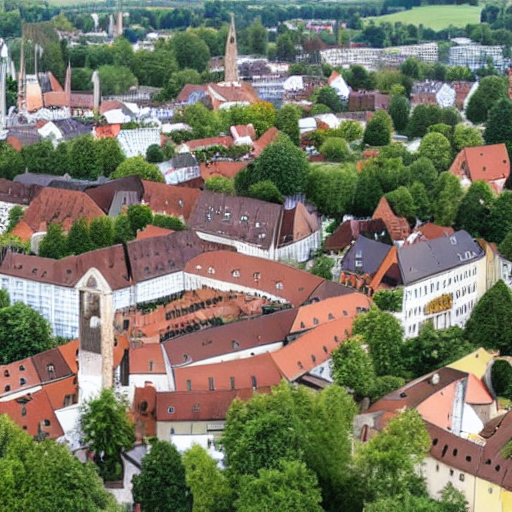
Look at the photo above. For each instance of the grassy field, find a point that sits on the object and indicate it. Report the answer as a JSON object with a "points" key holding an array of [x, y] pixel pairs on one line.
{"points": [[435, 17]]}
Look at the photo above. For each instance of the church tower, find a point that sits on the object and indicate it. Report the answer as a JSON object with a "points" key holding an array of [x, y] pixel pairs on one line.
{"points": [[230, 66]]}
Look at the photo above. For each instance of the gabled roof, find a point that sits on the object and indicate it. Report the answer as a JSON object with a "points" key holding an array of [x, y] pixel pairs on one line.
{"points": [[267, 138], [350, 230], [297, 224], [365, 256], [417, 391], [431, 231], [431, 257], [59, 206], [200, 405], [103, 195], [255, 372], [230, 338], [312, 348], [17, 376], [147, 359], [51, 365], [181, 160], [475, 363], [239, 218], [151, 231], [221, 168], [69, 352], [398, 227], [58, 390], [155, 257], [170, 199], [194, 145], [278, 279], [487, 163], [18, 193]]}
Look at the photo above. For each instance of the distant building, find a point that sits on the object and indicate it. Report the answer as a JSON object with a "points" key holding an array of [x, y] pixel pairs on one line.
{"points": [[476, 56]]}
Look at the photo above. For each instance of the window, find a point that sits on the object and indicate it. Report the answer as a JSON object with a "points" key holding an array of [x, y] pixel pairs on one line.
{"points": [[7, 388], [22, 381], [359, 254], [23, 411], [6, 373], [254, 382], [315, 321], [46, 423], [150, 366], [189, 385], [143, 407], [461, 477], [22, 368], [211, 384], [452, 472], [235, 344], [331, 316], [235, 273], [232, 382], [279, 285], [256, 276], [50, 370], [211, 270], [358, 264], [170, 409]]}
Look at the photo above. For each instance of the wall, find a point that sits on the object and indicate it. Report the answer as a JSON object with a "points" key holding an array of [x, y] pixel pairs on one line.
{"points": [[163, 428], [159, 287], [300, 251], [5, 208], [438, 475], [488, 497], [249, 249]]}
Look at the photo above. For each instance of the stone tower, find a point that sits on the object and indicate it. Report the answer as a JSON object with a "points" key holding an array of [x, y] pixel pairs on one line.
{"points": [[230, 66]]}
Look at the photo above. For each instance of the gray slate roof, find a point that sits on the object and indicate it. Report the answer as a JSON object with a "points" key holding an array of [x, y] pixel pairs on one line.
{"points": [[431, 257], [368, 252]]}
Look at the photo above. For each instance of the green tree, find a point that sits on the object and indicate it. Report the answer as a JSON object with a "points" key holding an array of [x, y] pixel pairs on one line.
{"points": [[84, 158], [490, 323], [40, 157], [287, 121], [154, 154], [161, 485], [399, 109], [11, 162], [178, 80], [262, 115], [23, 333], [123, 231], [290, 488], [107, 431], [244, 179], [368, 192], [322, 267], [138, 166], [448, 193], [155, 68], [490, 90], [81, 79], [284, 164], [389, 300], [115, 79], [79, 237], [444, 129], [54, 244], [433, 349], [450, 116], [101, 232], [498, 128], [122, 52], [328, 96], [501, 378], [257, 38], [499, 221], [421, 200], [190, 50], [352, 367], [384, 385], [335, 149], [5, 300], [387, 462], [265, 191], [438, 150], [421, 118], [467, 137], [62, 158], [474, 209], [208, 484], [505, 246], [378, 129], [285, 47], [15, 215], [423, 170], [350, 130], [411, 67], [221, 185], [402, 203], [139, 215], [35, 469], [383, 334], [318, 108], [168, 222], [110, 155], [203, 121]]}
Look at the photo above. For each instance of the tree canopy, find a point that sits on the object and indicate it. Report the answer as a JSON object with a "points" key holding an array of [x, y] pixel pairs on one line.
{"points": [[378, 129], [138, 166]]}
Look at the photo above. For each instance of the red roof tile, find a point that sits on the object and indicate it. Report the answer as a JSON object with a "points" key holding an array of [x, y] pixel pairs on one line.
{"points": [[110, 105], [267, 138], [258, 371], [59, 206], [151, 231], [69, 352], [57, 391], [398, 227], [196, 144], [220, 168], [431, 231], [147, 359], [170, 199], [110, 130], [17, 376], [23, 230]]}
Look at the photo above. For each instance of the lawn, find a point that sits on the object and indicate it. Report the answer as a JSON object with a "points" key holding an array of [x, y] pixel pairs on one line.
{"points": [[435, 17]]}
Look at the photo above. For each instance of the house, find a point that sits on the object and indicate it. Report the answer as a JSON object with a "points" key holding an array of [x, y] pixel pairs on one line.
{"points": [[219, 95], [442, 279], [181, 168], [222, 168], [337, 82], [364, 257], [397, 227], [350, 230], [198, 144], [486, 163], [433, 92], [136, 142], [169, 199], [256, 227]]}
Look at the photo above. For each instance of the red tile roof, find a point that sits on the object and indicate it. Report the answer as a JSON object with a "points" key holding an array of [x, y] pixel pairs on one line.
{"points": [[55, 99], [220, 168], [199, 405], [69, 352], [110, 105], [260, 370], [151, 231], [57, 391], [51, 365], [398, 227], [312, 348], [59, 206], [54, 83], [17, 376], [196, 144], [431, 231], [187, 90], [22, 230], [243, 130], [270, 277], [110, 130], [170, 199], [267, 138], [31, 412], [147, 359]]}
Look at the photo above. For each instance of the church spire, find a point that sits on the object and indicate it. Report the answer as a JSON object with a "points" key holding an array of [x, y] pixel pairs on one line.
{"points": [[230, 65]]}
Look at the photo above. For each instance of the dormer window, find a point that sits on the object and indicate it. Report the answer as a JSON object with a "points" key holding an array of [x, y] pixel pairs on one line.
{"points": [[279, 285], [50, 370], [235, 273], [211, 270], [244, 218], [257, 225], [256, 276]]}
